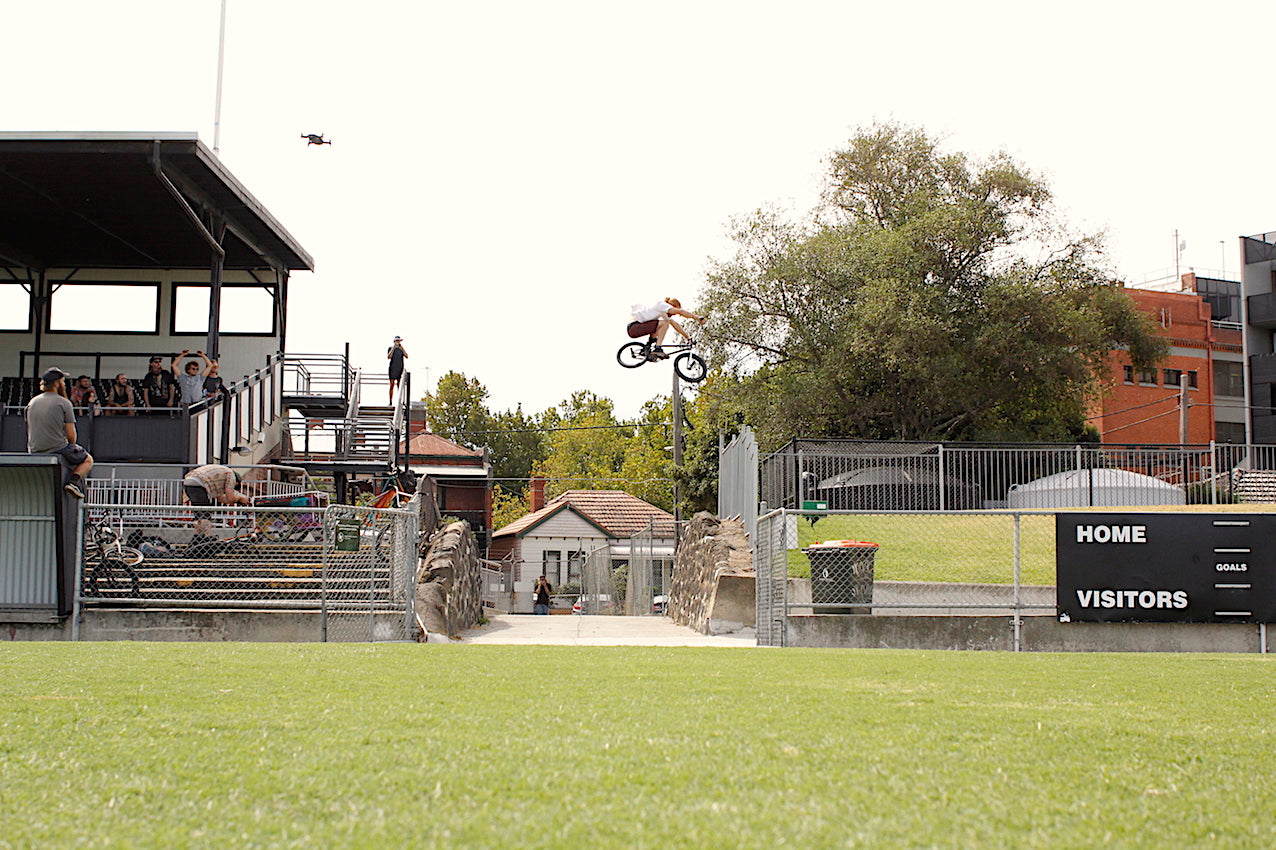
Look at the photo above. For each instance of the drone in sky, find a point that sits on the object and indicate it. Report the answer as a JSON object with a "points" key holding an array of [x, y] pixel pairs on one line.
{"points": [[315, 139]]}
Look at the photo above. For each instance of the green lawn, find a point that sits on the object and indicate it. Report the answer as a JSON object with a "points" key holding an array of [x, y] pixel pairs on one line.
{"points": [[975, 548], [242, 745], [940, 547]]}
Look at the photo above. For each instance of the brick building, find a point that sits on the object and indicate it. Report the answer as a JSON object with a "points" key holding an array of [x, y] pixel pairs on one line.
{"points": [[1201, 319]]}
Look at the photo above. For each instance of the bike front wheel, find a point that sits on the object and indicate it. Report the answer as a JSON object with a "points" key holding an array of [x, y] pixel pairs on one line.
{"points": [[632, 355], [690, 367]]}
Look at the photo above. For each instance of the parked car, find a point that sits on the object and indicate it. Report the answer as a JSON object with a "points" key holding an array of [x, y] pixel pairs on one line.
{"points": [[599, 603], [658, 604]]}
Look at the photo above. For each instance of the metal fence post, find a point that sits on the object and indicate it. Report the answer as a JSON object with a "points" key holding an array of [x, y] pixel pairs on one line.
{"points": [[1018, 621]]}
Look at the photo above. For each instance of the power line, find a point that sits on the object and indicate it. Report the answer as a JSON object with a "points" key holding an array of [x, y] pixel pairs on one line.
{"points": [[630, 426]]}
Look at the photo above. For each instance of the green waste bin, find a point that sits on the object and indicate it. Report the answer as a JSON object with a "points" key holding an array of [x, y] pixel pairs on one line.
{"points": [[347, 535], [841, 576]]}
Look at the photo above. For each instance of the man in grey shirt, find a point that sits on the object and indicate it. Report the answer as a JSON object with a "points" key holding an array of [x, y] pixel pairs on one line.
{"points": [[51, 429]]}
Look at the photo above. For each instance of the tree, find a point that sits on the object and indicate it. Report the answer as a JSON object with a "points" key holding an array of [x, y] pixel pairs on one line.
{"points": [[457, 410], [929, 297]]}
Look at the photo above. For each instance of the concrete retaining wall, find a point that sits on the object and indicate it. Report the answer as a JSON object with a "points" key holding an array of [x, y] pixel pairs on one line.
{"points": [[1037, 634]]}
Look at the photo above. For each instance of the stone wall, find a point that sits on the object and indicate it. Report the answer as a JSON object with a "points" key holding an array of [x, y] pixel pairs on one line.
{"points": [[713, 584], [449, 593]]}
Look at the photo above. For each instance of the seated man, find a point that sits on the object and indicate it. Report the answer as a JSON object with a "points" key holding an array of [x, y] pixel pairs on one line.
{"points": [[119, 396], [83, 394], [654, 322], [51, 430]]}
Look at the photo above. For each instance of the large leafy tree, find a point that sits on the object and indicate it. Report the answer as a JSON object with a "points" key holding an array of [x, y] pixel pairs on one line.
{"points": [[930, 296]]}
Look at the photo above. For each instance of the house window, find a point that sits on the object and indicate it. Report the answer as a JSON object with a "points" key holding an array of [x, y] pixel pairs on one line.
{"points": [[1173, 376], [575, 565], [551, 563], [1147, 377], [1129, 373]]}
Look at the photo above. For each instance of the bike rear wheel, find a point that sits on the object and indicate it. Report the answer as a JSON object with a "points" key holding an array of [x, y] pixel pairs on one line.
{"points": [[632, 355], [690, 367]]}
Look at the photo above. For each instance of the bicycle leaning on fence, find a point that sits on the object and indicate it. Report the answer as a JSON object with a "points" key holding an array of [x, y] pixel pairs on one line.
{"points": [[109, 564], [689, 365]]}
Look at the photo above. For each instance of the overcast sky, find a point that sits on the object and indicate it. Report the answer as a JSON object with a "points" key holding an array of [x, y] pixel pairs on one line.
{"points": [[507, 178]]}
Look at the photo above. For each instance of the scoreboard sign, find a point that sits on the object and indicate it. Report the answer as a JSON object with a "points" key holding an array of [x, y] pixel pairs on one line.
{"points": [[1166, 568]]}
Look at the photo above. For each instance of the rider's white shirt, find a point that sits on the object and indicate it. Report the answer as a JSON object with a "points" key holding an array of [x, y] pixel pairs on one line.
{"points": [[655, 311]]}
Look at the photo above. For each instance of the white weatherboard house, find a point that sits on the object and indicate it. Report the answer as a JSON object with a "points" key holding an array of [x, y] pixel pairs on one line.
{"points": [[556, 538]]}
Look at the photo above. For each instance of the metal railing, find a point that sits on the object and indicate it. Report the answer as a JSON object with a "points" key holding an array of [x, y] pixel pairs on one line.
{"points": [[493, 584], [355, 567], [870, 476], [968, 563]]}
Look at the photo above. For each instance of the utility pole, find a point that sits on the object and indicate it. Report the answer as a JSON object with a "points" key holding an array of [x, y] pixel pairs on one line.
{"points": [[677, 444]]}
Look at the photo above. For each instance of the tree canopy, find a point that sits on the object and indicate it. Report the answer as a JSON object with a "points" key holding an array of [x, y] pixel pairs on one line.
{"points": [[929, 296]]}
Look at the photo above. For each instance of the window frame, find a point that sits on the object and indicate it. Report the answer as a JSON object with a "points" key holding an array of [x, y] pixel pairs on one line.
{"points": [[270, 288], [58, 286]]}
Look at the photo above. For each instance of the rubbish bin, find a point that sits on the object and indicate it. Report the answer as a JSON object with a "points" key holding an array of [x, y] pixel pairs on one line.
{"points": [[841, 576], [347, 535]]}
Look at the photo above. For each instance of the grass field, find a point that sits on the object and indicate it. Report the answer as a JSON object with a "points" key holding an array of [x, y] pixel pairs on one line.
{"points": [[242, 745], [976, 548]]}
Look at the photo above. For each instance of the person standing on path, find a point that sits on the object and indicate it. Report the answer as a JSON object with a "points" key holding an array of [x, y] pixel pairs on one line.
{"points": [[543, 590], [51, 430], [396, 355]]}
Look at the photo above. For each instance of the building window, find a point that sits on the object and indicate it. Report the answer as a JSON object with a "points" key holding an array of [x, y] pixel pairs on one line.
{"points": [[1147, 377], [246, 310], [1129, 373], [105, 307], [1229, 432], [575, 565], [551, 564], [1229, 378], [15, 307]]}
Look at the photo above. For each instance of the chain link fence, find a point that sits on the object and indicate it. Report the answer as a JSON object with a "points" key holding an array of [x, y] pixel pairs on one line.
{"points": [[602, 586], [902, 476], [991, 563], [355, 566], [650, 568]]}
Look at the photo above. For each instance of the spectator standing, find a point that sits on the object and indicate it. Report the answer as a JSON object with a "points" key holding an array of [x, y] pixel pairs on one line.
{"points": [[83, 395], [158, 386], [543, 590], [119, 397], [396, 355], [213, 385], [51, 430], [191, 380]]}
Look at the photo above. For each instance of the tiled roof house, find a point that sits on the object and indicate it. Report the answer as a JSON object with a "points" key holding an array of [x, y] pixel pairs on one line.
{"points": [[555, 538]]}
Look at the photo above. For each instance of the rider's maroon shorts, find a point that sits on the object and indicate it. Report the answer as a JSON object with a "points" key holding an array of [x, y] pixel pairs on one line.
{"points": [[637, 329]]}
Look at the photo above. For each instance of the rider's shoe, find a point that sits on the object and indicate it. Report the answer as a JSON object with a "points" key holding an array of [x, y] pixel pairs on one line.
{"points": [[657, 353]]}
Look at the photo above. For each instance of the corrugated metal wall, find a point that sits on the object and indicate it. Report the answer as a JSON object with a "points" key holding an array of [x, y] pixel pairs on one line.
{"points": [[30, 492]]}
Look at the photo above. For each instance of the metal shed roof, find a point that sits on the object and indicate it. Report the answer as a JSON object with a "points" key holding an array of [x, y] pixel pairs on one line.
{"points": [[107, 200]]}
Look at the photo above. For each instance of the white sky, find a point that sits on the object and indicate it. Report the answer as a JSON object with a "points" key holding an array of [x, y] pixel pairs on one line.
{"points": [[508, 177]]}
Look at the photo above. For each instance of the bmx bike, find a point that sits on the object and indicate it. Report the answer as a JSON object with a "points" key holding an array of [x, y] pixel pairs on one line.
{"points": [[689, 365], [108, 563]]}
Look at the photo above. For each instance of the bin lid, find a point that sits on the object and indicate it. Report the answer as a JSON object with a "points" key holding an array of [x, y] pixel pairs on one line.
{"points": [[829, 544]]}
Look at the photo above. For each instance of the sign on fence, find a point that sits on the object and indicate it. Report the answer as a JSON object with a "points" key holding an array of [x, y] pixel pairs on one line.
{"points": [[1166, 568]]}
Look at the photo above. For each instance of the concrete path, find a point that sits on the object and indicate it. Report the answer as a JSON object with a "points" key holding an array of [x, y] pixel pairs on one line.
{"points": [[586, 630]]}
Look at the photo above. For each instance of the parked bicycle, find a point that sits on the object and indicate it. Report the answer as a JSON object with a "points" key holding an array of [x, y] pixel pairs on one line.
{"points": [[109, 565], [689, 365]]}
